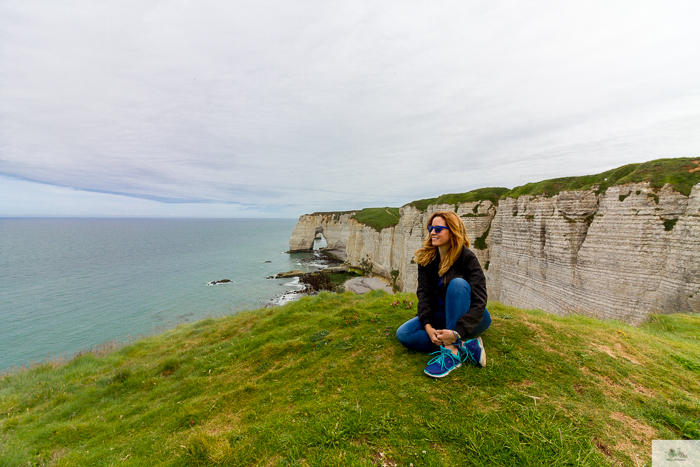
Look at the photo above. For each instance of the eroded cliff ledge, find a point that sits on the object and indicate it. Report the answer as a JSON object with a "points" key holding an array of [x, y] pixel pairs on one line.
{"points": [[618, 252]]}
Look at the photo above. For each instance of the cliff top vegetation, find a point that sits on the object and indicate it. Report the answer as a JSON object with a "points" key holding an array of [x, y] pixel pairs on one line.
{"points": [[332, 213], [323, 381], [480, 194], [682, 174], [378, 218]]}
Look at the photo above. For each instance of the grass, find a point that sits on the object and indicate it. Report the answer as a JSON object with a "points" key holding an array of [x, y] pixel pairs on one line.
{"points": [[480, 194], [378, 218], [323, 381], [681, 173], [332, 214]]}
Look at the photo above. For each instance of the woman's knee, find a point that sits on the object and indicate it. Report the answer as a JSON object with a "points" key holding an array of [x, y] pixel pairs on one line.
{"points": [[486, 320], [404, 332], [459, 286], [458, 298], [412, 335], [401, 335], [483, 325]]}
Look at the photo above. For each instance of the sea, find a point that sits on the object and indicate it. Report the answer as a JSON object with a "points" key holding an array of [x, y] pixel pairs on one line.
{"points": [[69, 285]]}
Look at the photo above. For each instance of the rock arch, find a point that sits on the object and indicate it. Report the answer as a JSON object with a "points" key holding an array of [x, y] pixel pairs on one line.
{"points": [[334, 227], [319, 235]]}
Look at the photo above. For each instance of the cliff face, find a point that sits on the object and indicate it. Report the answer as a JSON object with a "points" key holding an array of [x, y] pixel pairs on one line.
{"points": [[621, 254]]}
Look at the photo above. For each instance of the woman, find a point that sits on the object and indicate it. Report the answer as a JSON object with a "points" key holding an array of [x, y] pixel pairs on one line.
{"points": [[451, 299]]}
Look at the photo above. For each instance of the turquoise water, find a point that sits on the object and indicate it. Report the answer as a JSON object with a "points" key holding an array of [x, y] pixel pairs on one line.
{"points": [[69, 284]]}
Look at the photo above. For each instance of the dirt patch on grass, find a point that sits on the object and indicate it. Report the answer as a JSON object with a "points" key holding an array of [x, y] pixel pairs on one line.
{"points": [[642, 389], [57, 455], [549, 349], [274, 460], [488, 406], [436, 400], [609, 382], [381, 459], [634, 452], [643, 432], [224, 422], [614, 454], [621, 351], [609, 387], [606, 350], [530, 325], [605, 449], [540, 334], [521, 384], [618, 351]]}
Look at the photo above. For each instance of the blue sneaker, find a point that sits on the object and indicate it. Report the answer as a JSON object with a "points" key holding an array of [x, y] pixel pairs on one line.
{"points": [[441, 365], [473, 351]]}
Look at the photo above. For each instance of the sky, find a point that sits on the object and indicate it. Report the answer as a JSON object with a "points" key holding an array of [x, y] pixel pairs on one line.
{"points": [[179, 108]]}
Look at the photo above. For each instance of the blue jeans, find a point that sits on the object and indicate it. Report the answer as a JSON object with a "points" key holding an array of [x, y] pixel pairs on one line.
{"points": [[457, 302]]}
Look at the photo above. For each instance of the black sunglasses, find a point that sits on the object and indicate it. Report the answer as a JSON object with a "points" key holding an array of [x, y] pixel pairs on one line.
{"points": [[437, 228]]}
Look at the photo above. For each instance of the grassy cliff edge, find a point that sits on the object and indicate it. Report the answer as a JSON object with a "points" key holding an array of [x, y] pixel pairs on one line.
{"points": [[323, 381], [681, 174]]}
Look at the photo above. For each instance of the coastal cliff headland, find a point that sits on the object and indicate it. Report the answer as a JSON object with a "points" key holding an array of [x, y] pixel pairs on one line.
{"points": [[618, 245]]}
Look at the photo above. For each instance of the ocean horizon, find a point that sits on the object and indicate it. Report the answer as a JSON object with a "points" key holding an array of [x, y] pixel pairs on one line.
{"points": [[70, 284]]}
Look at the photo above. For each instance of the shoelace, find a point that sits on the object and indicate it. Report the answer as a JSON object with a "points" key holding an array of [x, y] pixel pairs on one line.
{"points": [[468, 354], [443, 352]]}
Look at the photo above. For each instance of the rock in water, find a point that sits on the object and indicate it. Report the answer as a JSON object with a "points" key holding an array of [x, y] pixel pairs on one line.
{"points": [[222, 281], [294, 273]]}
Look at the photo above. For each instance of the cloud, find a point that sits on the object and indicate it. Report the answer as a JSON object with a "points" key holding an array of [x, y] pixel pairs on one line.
{"points": [[318, 106]]}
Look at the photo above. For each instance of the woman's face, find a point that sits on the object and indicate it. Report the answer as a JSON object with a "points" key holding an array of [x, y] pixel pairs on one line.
{"points": [[442, 238]]}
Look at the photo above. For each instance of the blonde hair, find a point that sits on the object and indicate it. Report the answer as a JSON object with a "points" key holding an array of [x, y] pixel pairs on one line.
{"points": [[458, 239]]}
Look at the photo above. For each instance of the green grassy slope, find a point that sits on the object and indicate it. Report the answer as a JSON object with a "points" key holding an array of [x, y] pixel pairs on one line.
{"points": [[378, 218], [323, 381]]}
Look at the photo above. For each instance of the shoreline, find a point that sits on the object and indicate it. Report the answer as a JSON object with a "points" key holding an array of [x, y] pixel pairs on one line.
{"points": [[329, 262], [321, 259]]}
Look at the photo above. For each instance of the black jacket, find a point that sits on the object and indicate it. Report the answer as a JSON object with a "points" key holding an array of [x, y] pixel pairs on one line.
{"points": [[468, 268]]}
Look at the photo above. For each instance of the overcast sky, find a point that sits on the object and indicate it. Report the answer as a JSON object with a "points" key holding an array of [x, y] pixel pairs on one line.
{"points": [[273, 108]]}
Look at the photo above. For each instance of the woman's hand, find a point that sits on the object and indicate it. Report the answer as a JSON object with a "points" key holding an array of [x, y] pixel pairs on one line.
{"points": [[446, 336], [432, 334]]}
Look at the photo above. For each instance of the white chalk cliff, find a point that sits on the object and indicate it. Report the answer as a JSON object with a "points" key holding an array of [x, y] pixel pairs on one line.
{"points": [[621, 254]]}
